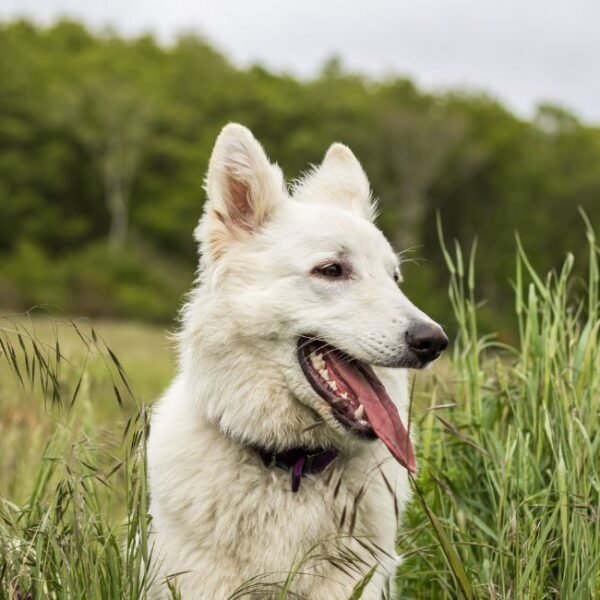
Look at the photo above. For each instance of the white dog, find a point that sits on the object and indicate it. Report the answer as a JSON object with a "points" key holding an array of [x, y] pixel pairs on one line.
{"points": [[279, 456]]}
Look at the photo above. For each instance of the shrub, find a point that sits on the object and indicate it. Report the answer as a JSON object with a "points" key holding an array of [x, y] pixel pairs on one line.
{"points": [[98, 281]]}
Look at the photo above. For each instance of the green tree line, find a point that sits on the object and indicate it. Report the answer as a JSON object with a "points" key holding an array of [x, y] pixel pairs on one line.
{"points": [[104, 142]]}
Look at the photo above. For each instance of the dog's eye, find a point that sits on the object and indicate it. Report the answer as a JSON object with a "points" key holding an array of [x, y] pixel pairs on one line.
{"points": [[397, 277], [330, 270]]}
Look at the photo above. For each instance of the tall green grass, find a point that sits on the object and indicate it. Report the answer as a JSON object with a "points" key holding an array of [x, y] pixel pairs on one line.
{"points": [[507, 499], [81, 531], [510, 448]]}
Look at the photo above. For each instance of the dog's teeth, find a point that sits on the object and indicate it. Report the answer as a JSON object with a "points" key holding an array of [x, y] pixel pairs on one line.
{"points": [[333, 385], [363, 423], [344, 395], [359, 413], [317, 362]]}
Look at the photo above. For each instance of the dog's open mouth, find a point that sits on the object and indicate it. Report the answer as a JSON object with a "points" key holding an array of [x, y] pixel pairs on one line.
{"points": [[358, 399]]}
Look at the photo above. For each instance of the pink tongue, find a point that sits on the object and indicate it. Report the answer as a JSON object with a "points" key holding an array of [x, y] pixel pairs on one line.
{"points": [[381, 411]]}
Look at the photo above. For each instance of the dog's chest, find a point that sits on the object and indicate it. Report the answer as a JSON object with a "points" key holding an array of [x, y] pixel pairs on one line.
{"points": [[221, 518], [256, 528], [272, 531]]}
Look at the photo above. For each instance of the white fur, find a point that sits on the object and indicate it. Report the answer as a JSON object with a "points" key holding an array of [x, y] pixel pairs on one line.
{"points": [[220, 517]]}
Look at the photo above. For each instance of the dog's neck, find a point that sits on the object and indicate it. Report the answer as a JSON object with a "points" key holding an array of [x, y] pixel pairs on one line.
{"points": [[299, 461]]}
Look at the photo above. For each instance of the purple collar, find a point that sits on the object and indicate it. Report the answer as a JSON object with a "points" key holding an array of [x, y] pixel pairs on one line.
{"points": [[300, 461]]}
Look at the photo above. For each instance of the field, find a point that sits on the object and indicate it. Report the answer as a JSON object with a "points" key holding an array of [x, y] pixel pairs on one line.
{"points": [[507, 500]]}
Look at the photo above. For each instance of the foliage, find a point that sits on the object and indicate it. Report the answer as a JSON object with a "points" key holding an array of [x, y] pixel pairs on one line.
{"points": [[512, 446], [134, 282], [83, 528], [102, 135]]}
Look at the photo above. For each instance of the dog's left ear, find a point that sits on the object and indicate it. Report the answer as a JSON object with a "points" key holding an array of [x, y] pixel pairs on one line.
{"points": [[339, 180], [243, 190]]}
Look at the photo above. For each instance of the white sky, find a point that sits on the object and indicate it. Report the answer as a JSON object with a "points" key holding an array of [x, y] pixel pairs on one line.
{"points": [[521, 51]]}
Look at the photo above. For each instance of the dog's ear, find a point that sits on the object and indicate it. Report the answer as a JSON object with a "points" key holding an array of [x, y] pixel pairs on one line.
{"points": [[340, 181], [243, 190]]}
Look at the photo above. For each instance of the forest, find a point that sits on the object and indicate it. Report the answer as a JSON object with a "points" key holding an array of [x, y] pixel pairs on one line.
{"points": [[105, 140]]}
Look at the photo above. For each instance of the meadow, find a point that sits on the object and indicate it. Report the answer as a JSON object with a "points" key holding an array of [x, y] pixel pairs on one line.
{"points": [[507, 499]]}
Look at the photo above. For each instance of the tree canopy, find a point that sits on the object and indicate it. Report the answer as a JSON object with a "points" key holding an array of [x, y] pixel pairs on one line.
{"points": [[105, 137]]}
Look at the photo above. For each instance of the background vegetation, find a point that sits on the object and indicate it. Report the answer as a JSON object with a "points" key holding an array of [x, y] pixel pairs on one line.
{"points": [[105, 140]]}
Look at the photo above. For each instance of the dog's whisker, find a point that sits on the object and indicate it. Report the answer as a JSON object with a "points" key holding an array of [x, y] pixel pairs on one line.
{"points": [[323, 421], [307, 341], [400, 253]]}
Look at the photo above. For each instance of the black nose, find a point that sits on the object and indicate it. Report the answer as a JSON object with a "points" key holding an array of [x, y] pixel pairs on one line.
{"points": [[426, 340]]}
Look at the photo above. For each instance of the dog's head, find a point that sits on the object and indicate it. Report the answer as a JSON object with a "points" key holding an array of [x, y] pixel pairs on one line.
{"points": [[298, 298]]}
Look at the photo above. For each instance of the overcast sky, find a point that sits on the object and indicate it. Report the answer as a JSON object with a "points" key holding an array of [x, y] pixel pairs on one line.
{"points": [[522, 51]]}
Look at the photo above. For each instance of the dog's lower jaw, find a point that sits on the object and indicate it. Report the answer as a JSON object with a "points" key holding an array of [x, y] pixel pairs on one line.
{"points": [[220, 518]]}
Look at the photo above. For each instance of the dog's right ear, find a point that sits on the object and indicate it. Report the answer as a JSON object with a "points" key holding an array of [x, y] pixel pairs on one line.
{"points": [[243, 190], [339, 181]]}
